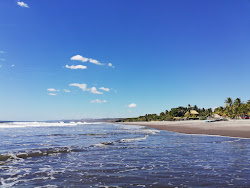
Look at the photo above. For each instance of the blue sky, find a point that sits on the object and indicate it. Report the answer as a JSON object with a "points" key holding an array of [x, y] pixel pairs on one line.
{"points": [[164, 53]]}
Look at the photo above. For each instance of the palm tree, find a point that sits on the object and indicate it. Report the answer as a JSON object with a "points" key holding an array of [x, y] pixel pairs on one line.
{"points": [[229, 105], [196, 108], [220, 110], [237, 110], [237, 102], [244, 109], [210, 111], [229, 101]]}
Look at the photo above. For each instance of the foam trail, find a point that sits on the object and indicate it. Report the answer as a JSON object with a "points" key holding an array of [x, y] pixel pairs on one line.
{"points": [[36, 153], [35, 124], [133, 139]]}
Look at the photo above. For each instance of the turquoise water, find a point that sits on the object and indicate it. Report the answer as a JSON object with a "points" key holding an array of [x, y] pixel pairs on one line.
{"points": [[36, 154]]}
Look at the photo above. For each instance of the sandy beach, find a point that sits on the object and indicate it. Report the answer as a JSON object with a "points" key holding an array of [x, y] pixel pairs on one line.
{"points": [[231, 128]]}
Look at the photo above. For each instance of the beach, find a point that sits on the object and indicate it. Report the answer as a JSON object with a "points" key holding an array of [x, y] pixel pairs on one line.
{"points": [[231, 128]]}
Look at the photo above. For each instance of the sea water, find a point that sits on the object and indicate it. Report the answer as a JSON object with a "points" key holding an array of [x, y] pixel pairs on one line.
{"points": [[76, 154]]}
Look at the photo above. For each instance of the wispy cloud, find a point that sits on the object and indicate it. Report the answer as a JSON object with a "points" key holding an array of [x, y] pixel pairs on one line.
{"points": [[2, 52], [52, 94], [76, 67], [12, 65], [2, 59], [110, 65], [94, 90], [95, 62], [84, 88], [98, 101], [52, 89], [66, 90], [79, 58], [22, 4], [85, 59], [81, 86], [104, 89], [132, 105]]}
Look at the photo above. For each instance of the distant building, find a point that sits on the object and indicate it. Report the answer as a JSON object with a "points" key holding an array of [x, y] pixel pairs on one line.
{"points": [[216, 116], [192, 114]]}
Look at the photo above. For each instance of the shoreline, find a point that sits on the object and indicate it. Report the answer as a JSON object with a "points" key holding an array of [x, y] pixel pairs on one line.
{"points": [[231, 128]]}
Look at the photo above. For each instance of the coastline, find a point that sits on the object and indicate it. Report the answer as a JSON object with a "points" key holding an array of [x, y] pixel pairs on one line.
{"points": [[231, 128]]}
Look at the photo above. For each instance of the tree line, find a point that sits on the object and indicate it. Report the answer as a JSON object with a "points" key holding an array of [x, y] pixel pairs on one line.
{"points": [[233, 109]]}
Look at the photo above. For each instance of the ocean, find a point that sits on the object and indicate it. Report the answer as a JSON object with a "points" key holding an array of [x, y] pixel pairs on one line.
{"points": [[77, 154]]}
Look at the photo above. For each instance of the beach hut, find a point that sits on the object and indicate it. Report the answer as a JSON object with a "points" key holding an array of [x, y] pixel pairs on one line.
{"points": [[216, 116], [192, 114]]}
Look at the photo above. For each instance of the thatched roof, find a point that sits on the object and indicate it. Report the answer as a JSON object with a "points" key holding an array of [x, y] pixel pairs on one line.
{"points": [[192, 112]]}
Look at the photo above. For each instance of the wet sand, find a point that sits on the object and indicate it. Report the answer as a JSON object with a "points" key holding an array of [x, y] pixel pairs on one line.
{"points": [[231, 128]]}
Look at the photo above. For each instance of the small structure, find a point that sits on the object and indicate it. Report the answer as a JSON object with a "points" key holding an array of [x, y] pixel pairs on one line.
{"points": [[192, 114], [216, 116]]}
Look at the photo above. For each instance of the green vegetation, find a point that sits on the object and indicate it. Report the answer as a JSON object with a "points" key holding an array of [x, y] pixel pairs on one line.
{"points": [[174, 114], [233, 109]]}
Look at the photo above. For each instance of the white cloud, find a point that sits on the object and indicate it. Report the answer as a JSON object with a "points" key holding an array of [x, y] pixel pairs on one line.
{"points": [[53, 94], [81, 86], [94, 90], [12, 65], [52, 89], [2, 52], [132, 105], [67, 91], [76, 67], [84, 88], [85, 59], [104, 89], [79, 58], [98, 101], [94, 61], [110, 65], [22, 4]]}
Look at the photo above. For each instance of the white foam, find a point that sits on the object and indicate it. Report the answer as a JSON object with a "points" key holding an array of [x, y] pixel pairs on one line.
{"points": [[100, 145], [88, 123], [5, 184], [104, 144], [134, 139], [138, 129], [47, 186], [35, 124], [231, 141]]}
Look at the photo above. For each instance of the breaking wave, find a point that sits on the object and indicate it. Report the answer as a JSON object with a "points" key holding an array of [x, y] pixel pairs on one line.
{"points": [[57, 150], [121, 141], [36, 153], [43, 124], [133, 139]]}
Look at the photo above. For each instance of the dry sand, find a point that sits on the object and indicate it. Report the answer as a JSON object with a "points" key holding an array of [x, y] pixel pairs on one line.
{"points": [[231, 128]]}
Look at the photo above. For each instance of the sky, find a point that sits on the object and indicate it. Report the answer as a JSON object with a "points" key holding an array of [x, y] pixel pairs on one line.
{"points": [[74, 59]]}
